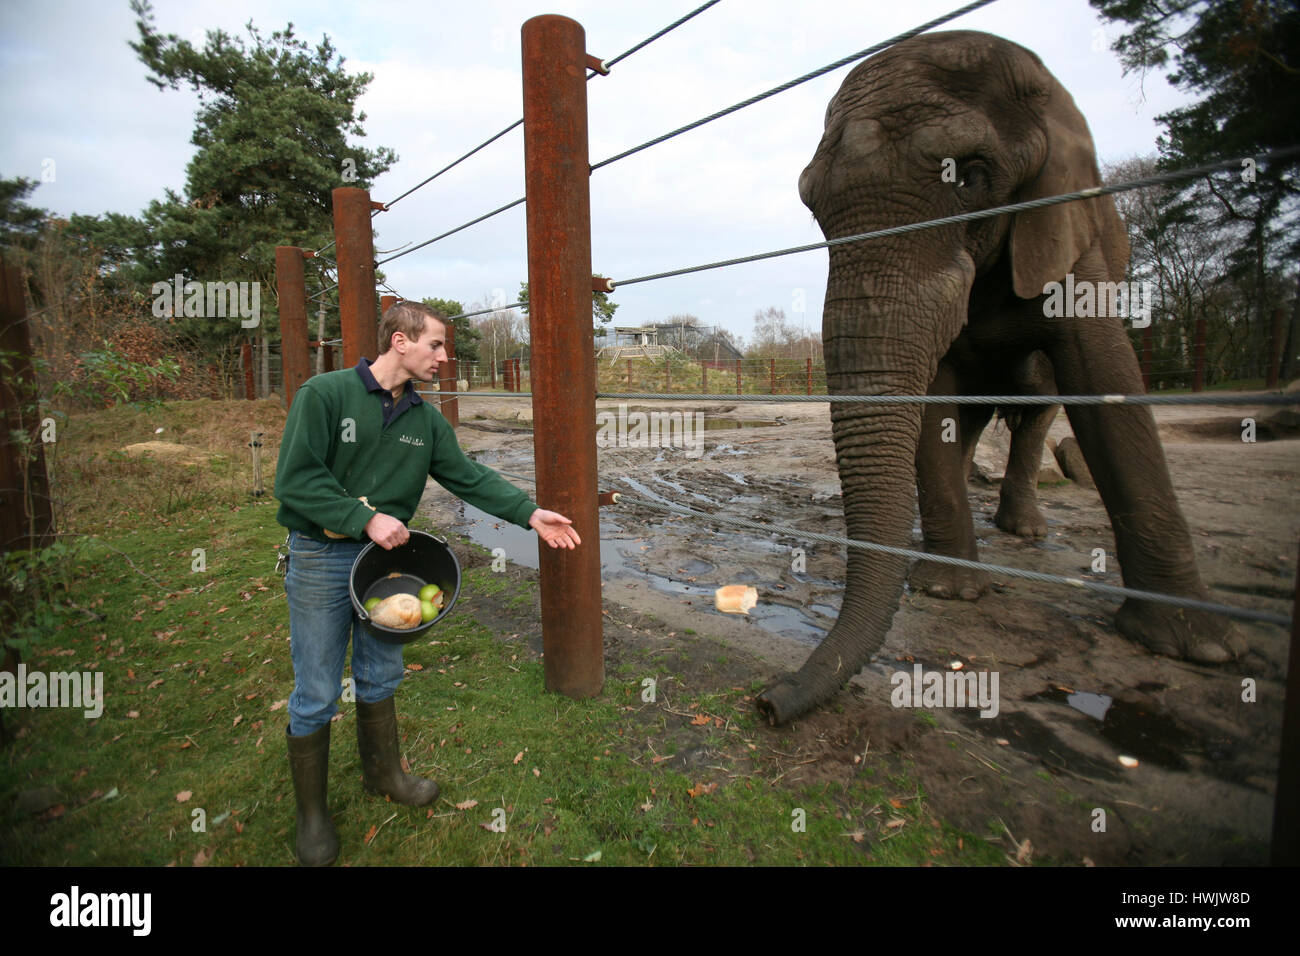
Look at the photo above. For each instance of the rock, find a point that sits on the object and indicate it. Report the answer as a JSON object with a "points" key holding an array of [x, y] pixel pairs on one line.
{"points": [[1048, 469], [37, 801], [990, 461], [1070, 457]]}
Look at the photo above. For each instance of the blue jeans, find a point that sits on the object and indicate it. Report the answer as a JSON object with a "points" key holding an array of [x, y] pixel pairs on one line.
{"points": [[320, 624]]}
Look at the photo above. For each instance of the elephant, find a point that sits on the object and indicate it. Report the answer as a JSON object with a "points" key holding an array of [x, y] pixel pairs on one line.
{"points": [[934, 126]]}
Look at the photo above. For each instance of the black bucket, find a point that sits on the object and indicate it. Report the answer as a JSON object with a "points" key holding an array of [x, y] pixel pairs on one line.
{"points": [[424, 559]]}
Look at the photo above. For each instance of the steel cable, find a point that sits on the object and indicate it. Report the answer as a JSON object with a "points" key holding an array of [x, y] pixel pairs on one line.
{"points": [[795, 82], [1095, 191], [519, 122], [1267, 398], [1110, 590]]}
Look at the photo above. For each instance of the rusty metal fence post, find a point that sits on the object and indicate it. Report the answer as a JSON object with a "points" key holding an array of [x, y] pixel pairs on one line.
{"points": [[1198, 369], [290, 284], [246, 359], [557, 172], [739, 388], [449, 407], [1274, 349], [354, 242], [1147, 337]]}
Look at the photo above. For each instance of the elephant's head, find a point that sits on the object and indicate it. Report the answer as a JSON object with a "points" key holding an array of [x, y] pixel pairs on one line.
{"points": [[938, 125]]}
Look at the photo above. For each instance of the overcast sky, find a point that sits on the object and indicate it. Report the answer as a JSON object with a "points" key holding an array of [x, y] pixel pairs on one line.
{"points": [[447, 76]]}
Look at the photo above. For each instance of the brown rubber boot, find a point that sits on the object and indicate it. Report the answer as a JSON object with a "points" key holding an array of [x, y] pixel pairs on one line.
{"points": [[309, 760], [381, 764]]}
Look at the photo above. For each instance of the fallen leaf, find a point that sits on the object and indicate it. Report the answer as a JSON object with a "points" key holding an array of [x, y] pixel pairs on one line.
{"points": [[647, 806], [592, 857], [536, 772], [278, 704], [133, 714], [238, 718], [184, 795], [894, 823], [239, 827], [467, 805], [702, 788], [518, 757], [896, 803], [857, 835], [700, 720], [415, 667], [201, 858], [154, 684], [370, 834]]}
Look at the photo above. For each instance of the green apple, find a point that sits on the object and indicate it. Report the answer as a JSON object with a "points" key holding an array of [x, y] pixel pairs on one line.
{"points": [[372, 603], [427, 611], [429, 592]]}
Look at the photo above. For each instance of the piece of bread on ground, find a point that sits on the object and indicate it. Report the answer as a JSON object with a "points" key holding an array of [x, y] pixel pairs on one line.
{"points": [[735, 598]]}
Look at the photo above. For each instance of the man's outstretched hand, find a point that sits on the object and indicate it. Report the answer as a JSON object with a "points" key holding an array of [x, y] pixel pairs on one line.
{"points": [[555, 529]]}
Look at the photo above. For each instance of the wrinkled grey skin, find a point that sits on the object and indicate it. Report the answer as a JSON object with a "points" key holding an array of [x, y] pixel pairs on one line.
{"points": [[959, 310]]}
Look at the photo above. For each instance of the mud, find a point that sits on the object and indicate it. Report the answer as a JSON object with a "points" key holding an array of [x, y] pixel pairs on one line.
{"points": [[1074, 695]]}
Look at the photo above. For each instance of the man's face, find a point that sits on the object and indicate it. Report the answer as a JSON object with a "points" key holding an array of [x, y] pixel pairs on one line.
{"points": [[424, 354]]}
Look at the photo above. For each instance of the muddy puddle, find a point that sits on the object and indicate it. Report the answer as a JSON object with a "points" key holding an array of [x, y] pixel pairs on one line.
{"points": [[1075, 695]]}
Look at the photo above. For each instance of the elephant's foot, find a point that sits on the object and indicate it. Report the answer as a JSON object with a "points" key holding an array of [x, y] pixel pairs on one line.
{"points": [[1180, 632], [785, 700], [1020, 516], [947, 581]]}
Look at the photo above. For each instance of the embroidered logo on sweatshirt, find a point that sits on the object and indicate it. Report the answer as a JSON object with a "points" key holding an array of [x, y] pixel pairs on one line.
{"points": [[412, 440]]}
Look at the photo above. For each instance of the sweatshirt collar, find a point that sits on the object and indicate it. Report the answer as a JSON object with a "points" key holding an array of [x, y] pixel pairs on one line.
{"points": [[372, 384]]}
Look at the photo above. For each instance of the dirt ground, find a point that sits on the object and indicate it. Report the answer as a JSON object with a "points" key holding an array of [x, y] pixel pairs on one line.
{"points": [[1075, 696]]}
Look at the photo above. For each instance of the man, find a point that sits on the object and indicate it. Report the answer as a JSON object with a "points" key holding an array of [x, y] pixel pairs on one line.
{"points": [[357, 449]]}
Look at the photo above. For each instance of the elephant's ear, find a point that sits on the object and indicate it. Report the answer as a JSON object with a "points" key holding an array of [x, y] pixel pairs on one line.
{"points": [[1046, 243]]}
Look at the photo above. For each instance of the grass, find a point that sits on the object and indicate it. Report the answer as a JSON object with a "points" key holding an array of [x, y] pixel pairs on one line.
{"points": [[187, 763]]}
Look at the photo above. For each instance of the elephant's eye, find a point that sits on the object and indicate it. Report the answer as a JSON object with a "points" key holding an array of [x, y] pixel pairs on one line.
{"points": [[972, 176]]}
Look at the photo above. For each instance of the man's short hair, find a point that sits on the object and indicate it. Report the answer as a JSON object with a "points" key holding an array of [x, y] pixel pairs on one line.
{"points": [[408, 318]]}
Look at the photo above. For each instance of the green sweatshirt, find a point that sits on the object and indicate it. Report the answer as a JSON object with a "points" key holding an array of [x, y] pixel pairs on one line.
{"points": [[336, 449]]}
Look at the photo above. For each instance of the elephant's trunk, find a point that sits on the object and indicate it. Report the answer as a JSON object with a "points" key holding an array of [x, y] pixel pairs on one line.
{"points": [[875, 345]]}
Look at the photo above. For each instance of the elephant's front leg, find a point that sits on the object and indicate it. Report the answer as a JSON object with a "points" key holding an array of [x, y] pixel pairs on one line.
{"points": [[1123, 451], [946, 523], [1018, 511]]}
